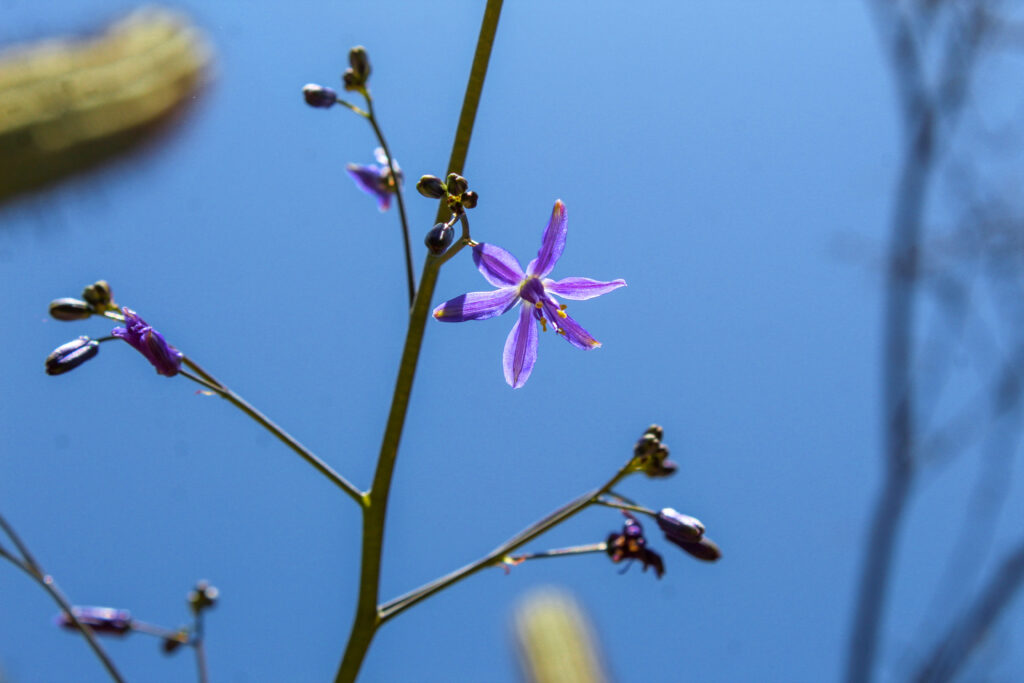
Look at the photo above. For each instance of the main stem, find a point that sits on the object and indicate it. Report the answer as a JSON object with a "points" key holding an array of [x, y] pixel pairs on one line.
{"points": [[367, 618]]}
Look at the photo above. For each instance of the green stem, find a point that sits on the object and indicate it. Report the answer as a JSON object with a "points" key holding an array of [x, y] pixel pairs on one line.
{"points": [[29, 565], [367, 620], [626, 506], [410, 274], [601, 547], [392, 608], [207, 380]]}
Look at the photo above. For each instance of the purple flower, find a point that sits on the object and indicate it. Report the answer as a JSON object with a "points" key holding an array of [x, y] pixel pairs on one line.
{"points": [[150, 343], [376, 179], [106, 620], [631, 545], [534, 290]]}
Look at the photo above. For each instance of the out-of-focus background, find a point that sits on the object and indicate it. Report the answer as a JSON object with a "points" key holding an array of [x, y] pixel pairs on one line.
{"points": [[737, 163]]}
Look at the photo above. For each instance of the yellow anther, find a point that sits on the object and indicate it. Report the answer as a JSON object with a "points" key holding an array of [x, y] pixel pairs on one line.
{"points": [[560, 331], [544, 324], [538, 305], [562, 307], [562, 313]]}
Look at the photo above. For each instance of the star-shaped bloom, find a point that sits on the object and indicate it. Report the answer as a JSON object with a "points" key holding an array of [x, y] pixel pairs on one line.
{"points": [[150, 343], [534, 291], [376, 179]]}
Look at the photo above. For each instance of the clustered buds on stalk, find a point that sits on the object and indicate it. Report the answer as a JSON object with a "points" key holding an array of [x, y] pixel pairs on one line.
{"points": [[96, 299], [455, 190], [650, 456], [358, 74], [202, 597]]}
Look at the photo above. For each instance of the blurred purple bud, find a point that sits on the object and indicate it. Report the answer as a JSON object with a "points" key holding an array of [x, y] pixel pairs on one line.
{"points": [[439, 238], [705, 549], [67, 357], [319, 96], [171, 644], [679, 528], [103, 620], [150, 343], [469, 199], [68, 309]]}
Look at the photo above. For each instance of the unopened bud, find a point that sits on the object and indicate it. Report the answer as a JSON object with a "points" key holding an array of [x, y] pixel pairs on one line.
{"points": [[360, 62], [439, 238], [431, 186], [172, 643], [705, 549], [456, 184], [319, 96], [656, 431], [67, 357], [105, 620], [350, 80], [70, 309], [679, 528], [469, 199], [203, 596], [98, 295]]}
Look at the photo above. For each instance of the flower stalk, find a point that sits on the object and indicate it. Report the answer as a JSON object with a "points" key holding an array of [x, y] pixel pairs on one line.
{"points": [[367, 619]]}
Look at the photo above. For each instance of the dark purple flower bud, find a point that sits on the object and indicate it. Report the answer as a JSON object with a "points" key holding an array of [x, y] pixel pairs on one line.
{"points": [[102, 620], [469, 199], [350, 80], [203, 596], [431, 186], [705, 549], [360, 63], [67, 357], [456, 184], [439, 238], [630, 544], [99, 295], [69, 309], [319, 96], [656, 431], [679, 528], [150, 343]]}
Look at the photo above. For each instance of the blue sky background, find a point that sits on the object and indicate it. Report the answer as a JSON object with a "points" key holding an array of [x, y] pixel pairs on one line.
{"points": [[733, 161]]}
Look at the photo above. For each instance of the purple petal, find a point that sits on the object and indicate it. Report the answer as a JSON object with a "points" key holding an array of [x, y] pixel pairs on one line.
{"points": [[477, 305], [367, 178], [580, 288], [552, 244], [384, 201], [498, 267], [520, 348], [569, 328]]}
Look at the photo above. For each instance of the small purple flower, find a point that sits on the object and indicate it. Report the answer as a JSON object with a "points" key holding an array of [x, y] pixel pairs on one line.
{"points": [[376, 179], [150, 343], [631, 545], [105, 620], [534, 290]]}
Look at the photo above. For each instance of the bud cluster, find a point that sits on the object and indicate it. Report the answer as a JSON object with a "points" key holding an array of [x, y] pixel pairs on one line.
{"points": [[202, 597], [96, 299], [650, 455], [358, 73], [455, 191]]}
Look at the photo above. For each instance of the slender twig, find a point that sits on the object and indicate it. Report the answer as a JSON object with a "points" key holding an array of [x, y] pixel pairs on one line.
{"points": [[366, 620], [200, 648], [601, 547], [625, 506], [389, 609], [410, 274], [29, 566], [208, 381]]}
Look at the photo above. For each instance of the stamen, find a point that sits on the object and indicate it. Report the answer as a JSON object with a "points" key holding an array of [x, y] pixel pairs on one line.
{"points": [[544, 325], [562, 313], [538, 305]]}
